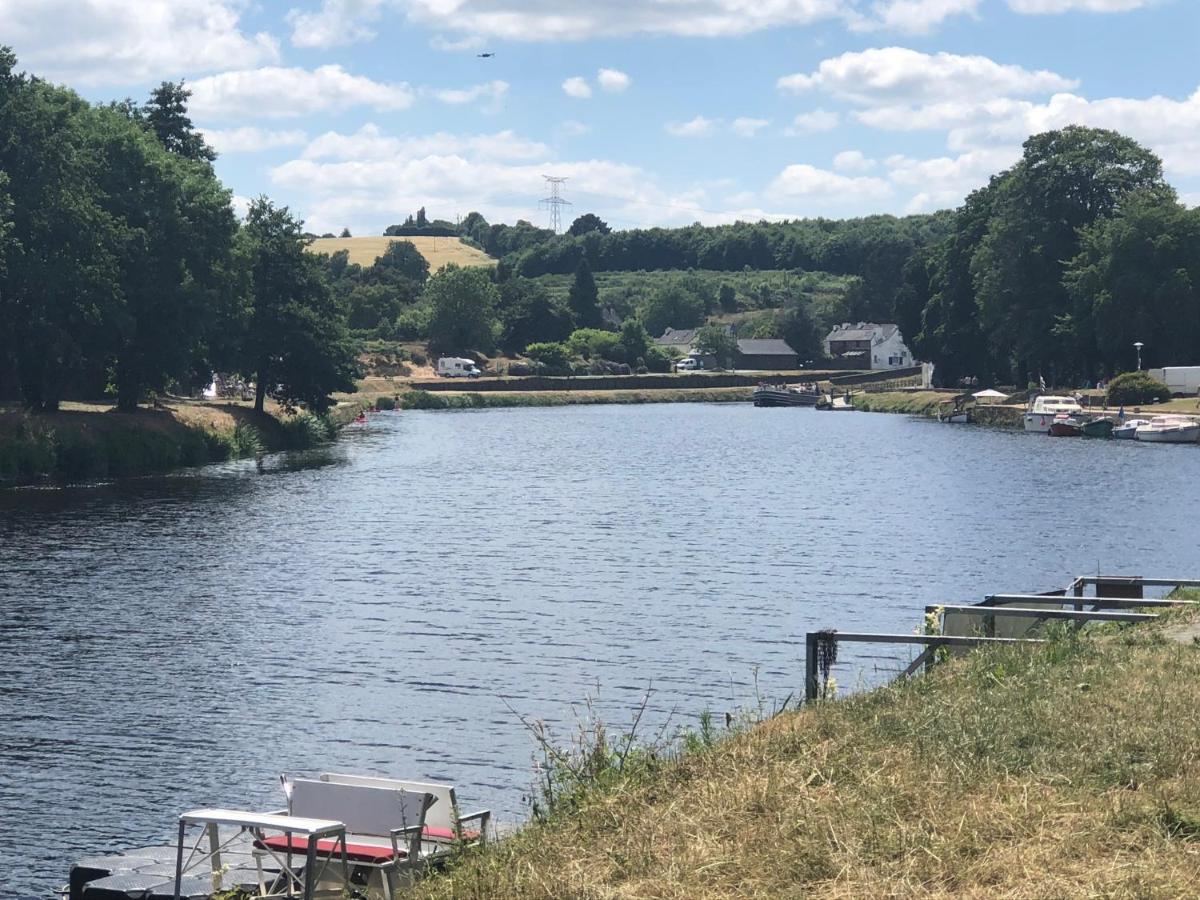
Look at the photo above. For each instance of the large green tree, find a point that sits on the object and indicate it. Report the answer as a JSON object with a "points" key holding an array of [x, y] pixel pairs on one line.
{"points": [[296, 343], [1137, 278], [584, 298], [670, 306], [1066, 180], [166, 116], [530, 315], [463, 302]]}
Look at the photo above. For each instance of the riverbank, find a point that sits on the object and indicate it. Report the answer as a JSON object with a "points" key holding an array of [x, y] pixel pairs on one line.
{"points": [[414, 399], [1071, 769], [84, 441], [927, 403]]}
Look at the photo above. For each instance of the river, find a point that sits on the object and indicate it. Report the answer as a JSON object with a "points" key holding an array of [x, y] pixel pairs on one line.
{"points": [[168, 643]]}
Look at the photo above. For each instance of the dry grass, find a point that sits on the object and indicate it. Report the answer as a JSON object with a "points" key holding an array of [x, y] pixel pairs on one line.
{"points": [[1066, 771], [437, 250]]}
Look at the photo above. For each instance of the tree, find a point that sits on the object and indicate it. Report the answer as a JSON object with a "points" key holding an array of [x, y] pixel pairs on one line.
{"points": [[801, 333], [345, 233], [422, 222], [594, 343], [59, 293], [1137, 278], [727, 297], [586, 223], [1065, 181], [634, 341], [670, 306], [463, 304], [584, 298], [401, 258], [166, 116], [718, 341], [529, 315], [296, 342]]}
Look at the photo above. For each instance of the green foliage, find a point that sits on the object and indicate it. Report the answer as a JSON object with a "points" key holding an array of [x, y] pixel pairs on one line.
{"points": [[584, 299], [551, 358], [586, 223], [305, 430], [296, 341], [718, 341], [247, 440], [727, 297], [671, 306], [463, 303], [530, 314], [385, 403], [593, 343], [1134, 388], [635, 341]]}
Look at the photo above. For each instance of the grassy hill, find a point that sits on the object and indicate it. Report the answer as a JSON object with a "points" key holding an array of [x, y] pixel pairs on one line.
{"points": [[437, 250]]}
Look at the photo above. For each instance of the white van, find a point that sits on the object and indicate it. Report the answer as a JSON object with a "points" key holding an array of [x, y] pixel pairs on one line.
{"points": [[457, 367]]}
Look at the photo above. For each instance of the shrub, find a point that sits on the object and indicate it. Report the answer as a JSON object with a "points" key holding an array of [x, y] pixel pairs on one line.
{"points": [[659, 360], [551, 358], [305, 430], [1136, 387], [419, 358], [387, 404], [247, 440]]}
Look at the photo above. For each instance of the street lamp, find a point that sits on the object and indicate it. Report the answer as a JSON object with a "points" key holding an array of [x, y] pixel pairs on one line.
{"points": [[1139, 345]]}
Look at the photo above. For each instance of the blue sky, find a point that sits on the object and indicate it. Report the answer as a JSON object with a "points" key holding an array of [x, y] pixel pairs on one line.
{"points": [[659, 112]]}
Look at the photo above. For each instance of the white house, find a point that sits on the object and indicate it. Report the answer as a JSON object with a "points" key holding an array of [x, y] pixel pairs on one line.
{"points": [[867, 345]]}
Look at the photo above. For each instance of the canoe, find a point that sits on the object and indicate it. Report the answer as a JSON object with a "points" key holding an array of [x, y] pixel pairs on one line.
{"points": [[1098, 428]]}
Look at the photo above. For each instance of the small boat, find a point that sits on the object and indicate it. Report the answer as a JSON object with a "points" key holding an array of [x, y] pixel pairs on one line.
{"points": [[1040, 415], [1170, 430], [1064, 425], [1098, 428], [1127, 431], [958, 417], [837, 404], [786, 395]]}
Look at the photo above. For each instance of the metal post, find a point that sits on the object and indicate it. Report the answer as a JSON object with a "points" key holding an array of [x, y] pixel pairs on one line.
{"points": [[811, 687], [179, 859], [310, 865]]}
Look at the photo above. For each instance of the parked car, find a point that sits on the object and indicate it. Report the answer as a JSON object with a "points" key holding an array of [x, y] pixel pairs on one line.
{"points": [[691, 364]]}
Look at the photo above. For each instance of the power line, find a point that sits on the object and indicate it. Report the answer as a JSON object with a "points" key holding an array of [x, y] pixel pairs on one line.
{"points": [[555, 202]]}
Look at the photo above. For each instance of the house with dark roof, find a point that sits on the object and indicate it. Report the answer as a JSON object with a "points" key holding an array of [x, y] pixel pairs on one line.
{"points": [[680, 339], [773, 354], [867, 345]]}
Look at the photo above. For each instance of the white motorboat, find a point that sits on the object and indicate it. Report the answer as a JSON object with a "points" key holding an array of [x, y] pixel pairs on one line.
{"points": [[1040, 415], [1127, 431], [1170, 430]]}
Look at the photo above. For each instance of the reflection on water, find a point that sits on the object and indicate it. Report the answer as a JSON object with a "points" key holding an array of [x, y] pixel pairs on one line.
{"points": [[175, 642]]}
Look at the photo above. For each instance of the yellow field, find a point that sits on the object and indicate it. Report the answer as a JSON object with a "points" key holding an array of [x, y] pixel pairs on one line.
{"points": [[438, 250]]}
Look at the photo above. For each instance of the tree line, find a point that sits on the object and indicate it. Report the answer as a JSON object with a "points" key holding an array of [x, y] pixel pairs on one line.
{"points": [[1054, 269], [124, 270]]}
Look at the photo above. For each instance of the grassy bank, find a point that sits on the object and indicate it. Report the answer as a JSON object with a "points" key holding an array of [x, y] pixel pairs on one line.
{"points": [[494, 399], [1067, 770], [91, 441], [926, 403]]}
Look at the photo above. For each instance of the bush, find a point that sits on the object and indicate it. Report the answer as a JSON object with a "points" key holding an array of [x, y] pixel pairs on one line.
{"points": [[419, 358], [659, 360], [551, 358], [1134, 388], [386, 404]]}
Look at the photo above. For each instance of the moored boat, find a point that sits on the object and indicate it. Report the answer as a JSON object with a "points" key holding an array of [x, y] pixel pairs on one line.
{"points": [[786, 395], [1170, 430], [1098, 428], [1127, 431], [1040, 415], [1065, 426]]}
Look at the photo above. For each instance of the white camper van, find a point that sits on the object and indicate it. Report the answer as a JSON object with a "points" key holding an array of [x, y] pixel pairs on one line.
{"points": [[457, 367]]}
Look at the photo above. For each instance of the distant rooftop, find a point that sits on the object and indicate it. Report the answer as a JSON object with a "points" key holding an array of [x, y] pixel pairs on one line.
{"points": [[676, 337], [764, 347], [863, 331]]}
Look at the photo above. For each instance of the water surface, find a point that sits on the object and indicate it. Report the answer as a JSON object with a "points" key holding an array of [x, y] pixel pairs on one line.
{"points": [[169, 643]]}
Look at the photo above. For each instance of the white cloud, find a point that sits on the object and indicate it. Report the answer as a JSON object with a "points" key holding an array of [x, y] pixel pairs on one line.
{"points": [[274, 92], [813, 122], [370, 143], [853, 161], [945, 181], [250, 139], [745, 126], [114, 42], [492, 90], [1167, 126], [241, 205], [336, 23], [913, 16], [614, 81], [939, 116], [1046, 7], [697, 127], [542, 20], [805, 181], [577, 87], [899, 75]]}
